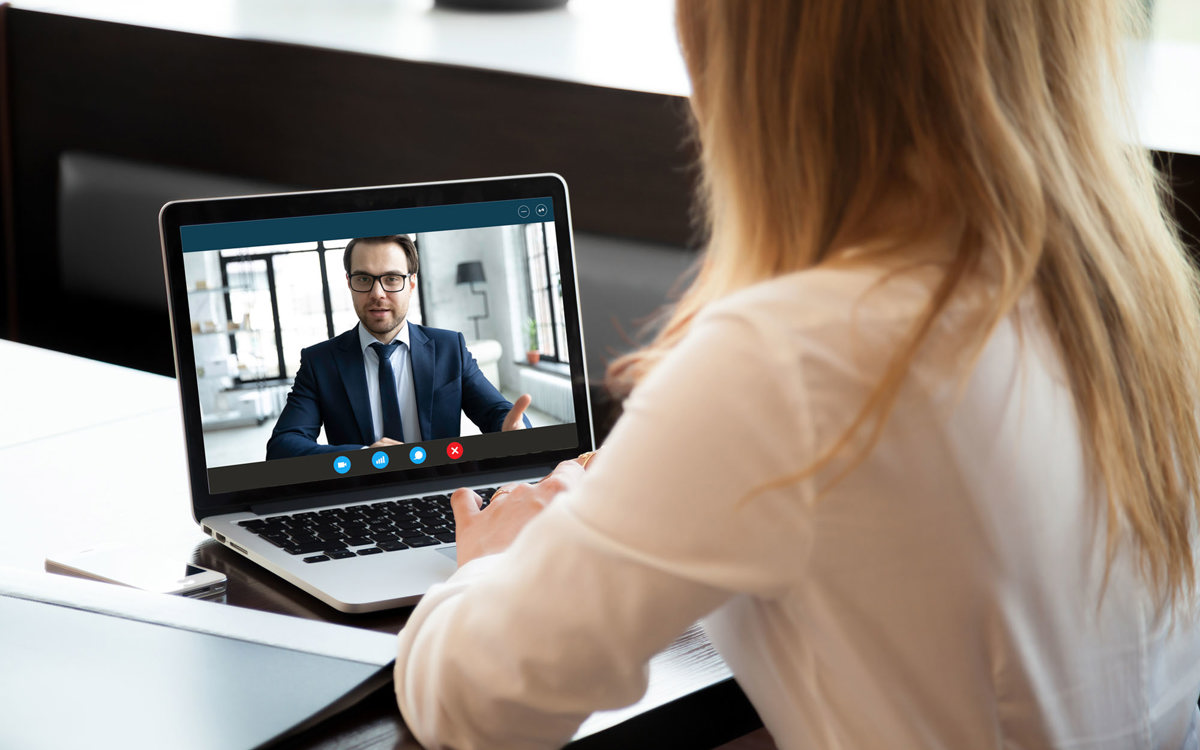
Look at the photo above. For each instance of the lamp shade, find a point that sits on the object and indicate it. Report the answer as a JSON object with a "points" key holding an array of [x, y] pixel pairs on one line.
{"points": [[470, 271]]}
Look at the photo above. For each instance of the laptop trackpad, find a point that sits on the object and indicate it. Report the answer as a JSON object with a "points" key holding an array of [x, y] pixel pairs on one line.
{"points": [[450, 552]]}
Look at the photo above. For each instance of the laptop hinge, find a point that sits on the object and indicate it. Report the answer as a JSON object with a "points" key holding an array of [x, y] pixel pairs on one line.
{"points": [[408, 488]]}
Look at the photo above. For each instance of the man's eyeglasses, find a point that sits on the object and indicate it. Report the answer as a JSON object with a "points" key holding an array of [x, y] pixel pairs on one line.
{"points": [[391, 282]]}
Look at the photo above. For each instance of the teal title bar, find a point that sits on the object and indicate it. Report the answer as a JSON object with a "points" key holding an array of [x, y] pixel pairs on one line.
{"points": [[234, 234]]}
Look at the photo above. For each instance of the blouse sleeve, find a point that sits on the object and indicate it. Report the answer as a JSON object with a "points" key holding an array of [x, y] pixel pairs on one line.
{"points": [[516, 650]]}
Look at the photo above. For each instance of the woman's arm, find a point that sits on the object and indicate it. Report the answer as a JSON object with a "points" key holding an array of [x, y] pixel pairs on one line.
{"points": [[518, 648]]}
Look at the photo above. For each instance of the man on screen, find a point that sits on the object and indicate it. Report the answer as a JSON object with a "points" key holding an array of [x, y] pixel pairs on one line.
{"points": [[387, 381]]}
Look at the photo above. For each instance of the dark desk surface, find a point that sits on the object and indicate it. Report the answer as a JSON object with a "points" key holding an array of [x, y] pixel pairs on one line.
{"points": [[92, 454]]}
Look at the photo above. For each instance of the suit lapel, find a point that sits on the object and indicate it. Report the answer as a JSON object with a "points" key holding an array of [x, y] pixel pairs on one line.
{"points": [[420, 352], [349, 358]]}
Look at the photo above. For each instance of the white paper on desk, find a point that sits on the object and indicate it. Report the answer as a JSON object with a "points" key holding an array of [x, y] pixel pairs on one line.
{"points": [[281, 631], [89, 664], [689, 664]]}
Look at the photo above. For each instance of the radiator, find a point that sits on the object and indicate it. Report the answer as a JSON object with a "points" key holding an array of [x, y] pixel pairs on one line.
{"points": [[551, 393]]}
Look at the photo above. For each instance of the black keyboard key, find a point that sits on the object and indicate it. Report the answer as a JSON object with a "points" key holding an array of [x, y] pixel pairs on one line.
{"points": [[446, 536], [420, 541], [316, 558], [369, 551], [392, 546], [340, 554]]}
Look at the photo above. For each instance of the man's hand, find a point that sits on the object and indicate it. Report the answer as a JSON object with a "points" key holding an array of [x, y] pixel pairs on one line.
{"points": [[514, 419], [384, 442], [479, 532]]}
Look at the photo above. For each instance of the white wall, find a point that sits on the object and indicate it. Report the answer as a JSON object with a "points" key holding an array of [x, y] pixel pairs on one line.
{"points": [[450, 305]]}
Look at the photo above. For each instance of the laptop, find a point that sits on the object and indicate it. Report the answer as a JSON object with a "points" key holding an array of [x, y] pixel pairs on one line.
{"points": [[259, 301]]}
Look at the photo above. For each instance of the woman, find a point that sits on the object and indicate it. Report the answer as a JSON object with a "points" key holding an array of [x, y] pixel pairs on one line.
{"points": [[920, 441]]}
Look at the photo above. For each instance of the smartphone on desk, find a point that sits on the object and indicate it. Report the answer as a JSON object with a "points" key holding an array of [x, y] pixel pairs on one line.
{"points": [[142, 568]]}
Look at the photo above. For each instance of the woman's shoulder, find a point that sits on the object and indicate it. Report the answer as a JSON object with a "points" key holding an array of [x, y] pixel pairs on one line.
{"points": [[830, 297]]}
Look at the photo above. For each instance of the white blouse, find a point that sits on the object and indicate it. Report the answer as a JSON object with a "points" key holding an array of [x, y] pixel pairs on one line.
{"points": [[944, 594]]}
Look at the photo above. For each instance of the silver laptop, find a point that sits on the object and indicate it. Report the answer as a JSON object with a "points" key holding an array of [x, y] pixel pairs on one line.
{"points": [[284, 404]]}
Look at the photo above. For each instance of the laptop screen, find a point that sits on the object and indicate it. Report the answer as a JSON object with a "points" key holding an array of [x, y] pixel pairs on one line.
{"points": [[274, 318]]}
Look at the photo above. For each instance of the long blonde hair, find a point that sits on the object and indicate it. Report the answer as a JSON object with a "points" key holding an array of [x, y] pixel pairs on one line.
{"points": [[808, 113]]}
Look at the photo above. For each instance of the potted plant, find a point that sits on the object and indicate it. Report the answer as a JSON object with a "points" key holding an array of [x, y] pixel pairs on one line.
{"points": [[533, 355]]}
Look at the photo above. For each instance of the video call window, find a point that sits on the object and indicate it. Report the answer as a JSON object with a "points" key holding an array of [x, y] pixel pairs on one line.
{"points": [[254, 309]]}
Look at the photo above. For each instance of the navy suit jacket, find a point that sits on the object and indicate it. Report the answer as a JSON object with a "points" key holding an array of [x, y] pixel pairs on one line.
{"points": [[331, 390]]}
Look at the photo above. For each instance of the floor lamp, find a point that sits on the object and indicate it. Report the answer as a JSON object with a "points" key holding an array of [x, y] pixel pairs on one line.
{"points": [[470, 273]]}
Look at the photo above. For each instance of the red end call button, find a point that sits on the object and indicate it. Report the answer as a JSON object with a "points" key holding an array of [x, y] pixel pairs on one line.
{"points": [[454, 450]]}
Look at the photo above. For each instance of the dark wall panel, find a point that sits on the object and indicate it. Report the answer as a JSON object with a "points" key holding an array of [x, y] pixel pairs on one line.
{"points": [[316, 118], [1183, 178]]}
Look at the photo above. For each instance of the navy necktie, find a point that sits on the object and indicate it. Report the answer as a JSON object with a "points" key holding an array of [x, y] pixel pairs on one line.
{"points": [[388, 398]]}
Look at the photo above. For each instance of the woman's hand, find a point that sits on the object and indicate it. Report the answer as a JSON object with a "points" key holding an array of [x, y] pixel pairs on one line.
{"points": [[484, 531]]}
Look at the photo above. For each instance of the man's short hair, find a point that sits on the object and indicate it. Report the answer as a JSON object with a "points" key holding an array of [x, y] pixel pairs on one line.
{"points": [[406, 244]]}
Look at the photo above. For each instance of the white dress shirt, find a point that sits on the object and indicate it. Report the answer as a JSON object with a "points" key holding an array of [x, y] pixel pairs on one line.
{"points": [[944, 594], [402, 370]]}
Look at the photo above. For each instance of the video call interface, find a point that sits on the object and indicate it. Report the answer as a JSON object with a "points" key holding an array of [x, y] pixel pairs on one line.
{"points": [[268, 298]]}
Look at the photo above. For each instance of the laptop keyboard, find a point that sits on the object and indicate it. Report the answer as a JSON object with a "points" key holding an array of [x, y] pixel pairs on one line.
{"points": [[364, 529]]}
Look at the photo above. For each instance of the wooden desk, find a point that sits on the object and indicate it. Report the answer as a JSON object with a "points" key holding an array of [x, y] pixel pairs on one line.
{"points": [[92, 453]]}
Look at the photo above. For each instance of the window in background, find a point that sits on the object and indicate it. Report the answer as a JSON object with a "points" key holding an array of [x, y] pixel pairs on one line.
{"points": [[545, 288], [250, 306], [300, 293], [281, 299]]}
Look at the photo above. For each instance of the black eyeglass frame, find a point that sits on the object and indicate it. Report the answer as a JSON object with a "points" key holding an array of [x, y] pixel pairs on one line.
{"points": [[404, 280]]}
